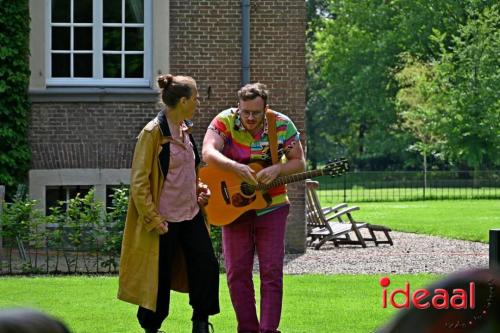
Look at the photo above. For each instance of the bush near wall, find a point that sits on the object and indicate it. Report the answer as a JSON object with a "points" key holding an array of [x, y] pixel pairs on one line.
{"points": [[14, 81], [77, 237]]}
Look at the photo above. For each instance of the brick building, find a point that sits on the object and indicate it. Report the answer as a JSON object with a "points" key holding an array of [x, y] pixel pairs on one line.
{"points": [[93, 67]]}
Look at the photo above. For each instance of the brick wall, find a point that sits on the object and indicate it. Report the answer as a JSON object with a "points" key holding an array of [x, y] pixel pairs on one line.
{"points": [[87, 135], [277, 53]]}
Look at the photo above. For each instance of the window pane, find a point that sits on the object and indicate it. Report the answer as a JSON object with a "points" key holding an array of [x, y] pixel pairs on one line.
{"points": [[134, 65], [83, 65], [134, 39], [83, 190], [61, 11], [60, 65], [112, 11], [134, 11], [83, 11], [60, 38], [112, 65], [112, 39], [83, 38], [54, 194]]}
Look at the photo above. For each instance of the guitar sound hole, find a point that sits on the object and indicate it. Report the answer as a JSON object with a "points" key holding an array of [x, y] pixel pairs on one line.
{"points": [[240, 201], [247, 189]]}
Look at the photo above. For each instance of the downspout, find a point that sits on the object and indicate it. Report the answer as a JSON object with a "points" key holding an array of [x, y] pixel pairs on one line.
{"points": [[245, 42]]}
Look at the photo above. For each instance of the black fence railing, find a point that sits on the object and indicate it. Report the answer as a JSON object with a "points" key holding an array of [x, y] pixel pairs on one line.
{"points": [[410, 185], [61, 251]]}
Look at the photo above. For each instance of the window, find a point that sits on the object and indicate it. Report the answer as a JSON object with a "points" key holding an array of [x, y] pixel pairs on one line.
{"points": [[99, 42], [55, 194]]}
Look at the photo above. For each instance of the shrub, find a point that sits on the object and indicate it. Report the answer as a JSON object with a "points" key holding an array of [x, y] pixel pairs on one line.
{"points": [[14, 80]]}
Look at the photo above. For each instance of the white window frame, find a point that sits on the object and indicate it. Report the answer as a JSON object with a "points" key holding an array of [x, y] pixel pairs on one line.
{"points": [[98, 79]]}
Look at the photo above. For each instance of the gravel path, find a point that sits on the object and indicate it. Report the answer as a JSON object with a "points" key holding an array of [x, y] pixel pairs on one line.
{"points": [[411, 253]]}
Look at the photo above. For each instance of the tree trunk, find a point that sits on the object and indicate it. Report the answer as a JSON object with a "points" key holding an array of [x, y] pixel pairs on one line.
{"points": [[475, 176], [361, 137]]}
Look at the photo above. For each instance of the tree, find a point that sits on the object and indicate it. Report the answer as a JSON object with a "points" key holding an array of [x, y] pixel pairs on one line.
{"points": [[352, 51], [468, 77], [416, 107], [350, 65]]}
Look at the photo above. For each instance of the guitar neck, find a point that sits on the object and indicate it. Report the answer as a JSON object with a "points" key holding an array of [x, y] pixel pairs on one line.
{"points": [[291, 179]]}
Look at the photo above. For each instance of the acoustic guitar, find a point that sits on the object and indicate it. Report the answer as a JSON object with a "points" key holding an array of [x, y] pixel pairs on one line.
{"points": [[231, 197]]}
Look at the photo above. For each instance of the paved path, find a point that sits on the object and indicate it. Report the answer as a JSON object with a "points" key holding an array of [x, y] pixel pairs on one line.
{"points": [[411, 253]]}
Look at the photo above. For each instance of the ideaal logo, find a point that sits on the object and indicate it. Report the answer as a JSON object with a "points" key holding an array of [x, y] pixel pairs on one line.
{"points": [[471, 303], [441, 298]]}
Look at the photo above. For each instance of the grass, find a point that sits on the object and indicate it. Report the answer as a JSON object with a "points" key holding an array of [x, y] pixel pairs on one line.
{"points": [[312, 303], [460, 219]]}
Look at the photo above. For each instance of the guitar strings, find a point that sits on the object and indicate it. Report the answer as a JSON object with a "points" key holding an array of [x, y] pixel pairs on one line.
{"points": [[247, 186]]}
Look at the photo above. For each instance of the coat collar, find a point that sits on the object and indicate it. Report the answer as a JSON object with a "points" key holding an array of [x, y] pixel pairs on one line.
{"points": [[165, 130], [162, 121]]}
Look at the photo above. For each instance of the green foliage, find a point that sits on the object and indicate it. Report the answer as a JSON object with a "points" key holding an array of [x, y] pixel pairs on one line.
{"points": [[83, 228], [468, 98], [452, 105], [350, 57], [14, 80], [82, 216], [216, 237], [416, 108], [73, 229], [354, 50], [113, 228], [19, 225]]}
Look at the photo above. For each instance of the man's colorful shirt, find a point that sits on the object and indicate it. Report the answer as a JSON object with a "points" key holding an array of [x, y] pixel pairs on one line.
{"points": [[243, 147]]}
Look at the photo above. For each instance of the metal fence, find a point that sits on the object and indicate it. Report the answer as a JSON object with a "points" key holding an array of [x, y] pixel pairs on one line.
{"points": [[410, 185], [60, 251]]}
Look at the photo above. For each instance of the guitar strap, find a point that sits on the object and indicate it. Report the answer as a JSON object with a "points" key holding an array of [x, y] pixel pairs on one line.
{"points": [[271, 132]]}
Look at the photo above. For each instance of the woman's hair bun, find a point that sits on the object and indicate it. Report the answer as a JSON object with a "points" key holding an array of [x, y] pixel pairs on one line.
{"points": [[165, 80]]}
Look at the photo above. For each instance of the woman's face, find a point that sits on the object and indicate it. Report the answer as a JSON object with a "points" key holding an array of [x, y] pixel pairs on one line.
{"points": [[190, 104]]}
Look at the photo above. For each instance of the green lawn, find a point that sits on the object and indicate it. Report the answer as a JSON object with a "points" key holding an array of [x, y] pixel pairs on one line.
{"points": [[461, 219], [312, 303]]}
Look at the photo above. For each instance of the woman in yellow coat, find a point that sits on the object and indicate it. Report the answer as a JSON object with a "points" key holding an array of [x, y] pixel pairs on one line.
{"points": [[166, 244]]}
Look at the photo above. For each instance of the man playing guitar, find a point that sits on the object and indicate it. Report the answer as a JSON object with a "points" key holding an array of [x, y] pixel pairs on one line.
{"points": [[235, 138]]}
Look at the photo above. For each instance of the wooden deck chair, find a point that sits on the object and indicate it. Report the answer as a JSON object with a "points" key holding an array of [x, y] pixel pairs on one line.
{"points": [[372, 228], [319, 231], [335, 223], [322, 229]]}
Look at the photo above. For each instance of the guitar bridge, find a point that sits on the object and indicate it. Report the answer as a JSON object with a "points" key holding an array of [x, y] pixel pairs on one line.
{"points": [[225, 193]]}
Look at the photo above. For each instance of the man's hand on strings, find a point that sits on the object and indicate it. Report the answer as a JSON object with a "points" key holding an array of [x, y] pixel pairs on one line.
{"points": [[267, 175], [246, 173]]}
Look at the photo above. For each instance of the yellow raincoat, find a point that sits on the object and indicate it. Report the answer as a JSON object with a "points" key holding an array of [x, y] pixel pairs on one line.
{"points": [[138, 280]]}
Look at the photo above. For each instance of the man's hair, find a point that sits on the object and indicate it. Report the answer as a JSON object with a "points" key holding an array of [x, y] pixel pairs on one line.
{"points": [[252, 91]]}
